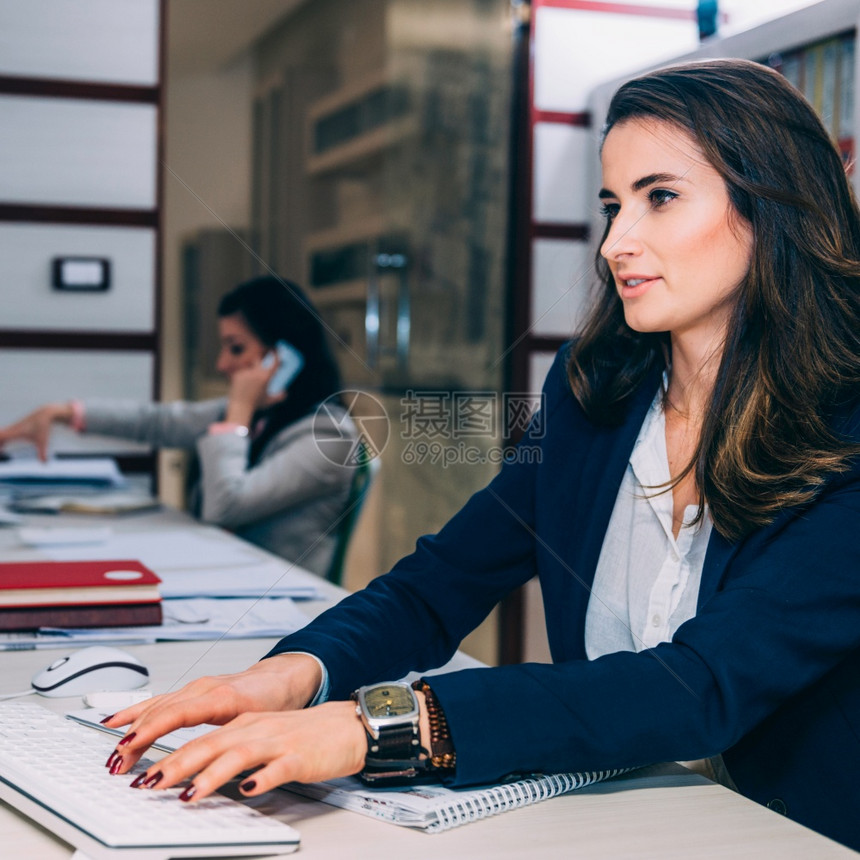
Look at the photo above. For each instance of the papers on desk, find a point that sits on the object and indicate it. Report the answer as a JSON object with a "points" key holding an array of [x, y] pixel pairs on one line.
{"points": [[202, 563], [112, 503], [63, 536], [29, 476], [213, 586], [196, 619], [9, 518], [168, 549], [202, 618], [270, 579], [27, 640]]}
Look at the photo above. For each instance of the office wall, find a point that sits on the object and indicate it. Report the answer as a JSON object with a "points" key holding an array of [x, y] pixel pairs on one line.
{"points": [[80, 136], [207, 181]]}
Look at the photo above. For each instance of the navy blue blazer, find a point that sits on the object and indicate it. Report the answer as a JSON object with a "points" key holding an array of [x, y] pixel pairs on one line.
{"points": [[767, 673]]}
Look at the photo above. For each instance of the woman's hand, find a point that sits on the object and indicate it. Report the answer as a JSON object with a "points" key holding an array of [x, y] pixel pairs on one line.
{"points": [[319, 743], [248, 393], [280, 683], [36, 427]]}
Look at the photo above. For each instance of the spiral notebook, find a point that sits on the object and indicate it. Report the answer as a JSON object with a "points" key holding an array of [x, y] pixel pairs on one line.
{"points": [[434, 808]]}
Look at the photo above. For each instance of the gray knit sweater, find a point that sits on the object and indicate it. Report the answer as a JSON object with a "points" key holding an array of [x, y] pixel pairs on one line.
{"points": [[289, 502]]}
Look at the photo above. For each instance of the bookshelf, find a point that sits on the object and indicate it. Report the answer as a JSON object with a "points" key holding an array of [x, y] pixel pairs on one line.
{"points": [[381, 132], [349, 130], [824, 71]]}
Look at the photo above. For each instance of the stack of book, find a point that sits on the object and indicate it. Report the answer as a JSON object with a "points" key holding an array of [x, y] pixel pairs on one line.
{"points": [[37, 594]]}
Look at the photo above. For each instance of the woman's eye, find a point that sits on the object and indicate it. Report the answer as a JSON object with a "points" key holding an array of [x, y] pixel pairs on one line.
{"points": [[661, 196], [236, 349], [609, 210]]}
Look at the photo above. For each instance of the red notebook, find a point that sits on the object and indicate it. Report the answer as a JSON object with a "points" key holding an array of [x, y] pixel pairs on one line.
{"points": [[78, 594], [60, 583]]}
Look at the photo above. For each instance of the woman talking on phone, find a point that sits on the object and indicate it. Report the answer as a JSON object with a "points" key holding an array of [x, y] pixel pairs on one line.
{"points": [[259, 470], [692, 519]]}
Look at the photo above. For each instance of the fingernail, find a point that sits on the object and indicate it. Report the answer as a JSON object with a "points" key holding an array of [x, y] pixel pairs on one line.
{"points": [[248, 785], [139, 780], [188, 793], [114, 768], [107, 719], [111, 758], [127, 739], [152, 781]]}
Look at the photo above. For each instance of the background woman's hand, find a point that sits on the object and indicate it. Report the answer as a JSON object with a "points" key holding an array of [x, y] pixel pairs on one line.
{"points": [[280, 683], [248, 393], [36, 427]]}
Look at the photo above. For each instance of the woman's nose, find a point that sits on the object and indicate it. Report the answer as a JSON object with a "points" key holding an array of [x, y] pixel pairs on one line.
{"points": [[622, 239]]}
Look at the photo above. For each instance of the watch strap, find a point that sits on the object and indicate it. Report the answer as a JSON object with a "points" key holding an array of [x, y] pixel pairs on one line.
{"points": [[395, 742]]}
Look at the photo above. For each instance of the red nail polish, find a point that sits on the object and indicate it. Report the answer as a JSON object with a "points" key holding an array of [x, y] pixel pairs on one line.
{"points": [[107, 719], [248, 785], [114, 768], [111, 758], [138, 780], [153, 780], [127, 739], [188, 793]]}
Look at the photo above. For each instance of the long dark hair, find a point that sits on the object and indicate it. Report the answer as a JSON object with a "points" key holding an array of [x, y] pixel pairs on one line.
{"points": [[276, 309], [791, 359]]}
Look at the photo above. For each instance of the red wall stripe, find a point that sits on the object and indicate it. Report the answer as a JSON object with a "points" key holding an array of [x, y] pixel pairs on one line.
{"points": [[49, 87], [49, 214], [619, 9], [582, 119], [544, 230], [97, 340]]}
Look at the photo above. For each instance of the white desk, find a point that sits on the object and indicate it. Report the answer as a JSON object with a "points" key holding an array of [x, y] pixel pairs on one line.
{"points": [[683, 816]]}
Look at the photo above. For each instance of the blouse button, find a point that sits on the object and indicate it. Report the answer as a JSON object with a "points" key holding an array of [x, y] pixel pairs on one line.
{"points": [[655, 620]]}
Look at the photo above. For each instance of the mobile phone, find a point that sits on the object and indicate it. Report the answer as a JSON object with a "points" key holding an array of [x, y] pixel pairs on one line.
{"points": [[290, 364]]}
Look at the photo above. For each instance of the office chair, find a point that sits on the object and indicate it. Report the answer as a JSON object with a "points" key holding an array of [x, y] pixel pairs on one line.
{"points": [[367, 466]]}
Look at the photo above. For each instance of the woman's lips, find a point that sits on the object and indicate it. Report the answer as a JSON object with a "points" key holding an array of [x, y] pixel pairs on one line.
{"points": [[633, 287]]}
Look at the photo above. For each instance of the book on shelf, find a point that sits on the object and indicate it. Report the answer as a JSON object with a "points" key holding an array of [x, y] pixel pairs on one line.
{"points": [[101, 593]]}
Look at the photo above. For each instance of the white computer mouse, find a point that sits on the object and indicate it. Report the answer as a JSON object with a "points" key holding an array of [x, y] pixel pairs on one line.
{"points": [[87, 670]]}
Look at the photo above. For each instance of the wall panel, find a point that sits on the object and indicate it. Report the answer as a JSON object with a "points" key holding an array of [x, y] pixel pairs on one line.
{"points": [[31, 303], [561, 153], [562, 275], [36, 376], [112, 41], [76, 152]]}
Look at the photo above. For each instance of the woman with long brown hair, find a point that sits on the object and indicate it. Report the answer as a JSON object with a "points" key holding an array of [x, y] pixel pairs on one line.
{"points": [[692, 517]]}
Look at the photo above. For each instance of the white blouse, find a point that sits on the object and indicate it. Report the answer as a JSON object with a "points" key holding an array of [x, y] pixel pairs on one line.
{"points": [[647, 582]]}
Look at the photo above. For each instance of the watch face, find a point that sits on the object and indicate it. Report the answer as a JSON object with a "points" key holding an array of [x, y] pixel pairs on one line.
{"points": [[388, 701]]}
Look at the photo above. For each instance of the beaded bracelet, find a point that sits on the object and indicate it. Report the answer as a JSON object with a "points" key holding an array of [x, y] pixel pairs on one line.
{"points": [[442, 755]]}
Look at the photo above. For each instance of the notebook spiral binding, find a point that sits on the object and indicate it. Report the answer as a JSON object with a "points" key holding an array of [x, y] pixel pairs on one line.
{"points": [[501, 798]]}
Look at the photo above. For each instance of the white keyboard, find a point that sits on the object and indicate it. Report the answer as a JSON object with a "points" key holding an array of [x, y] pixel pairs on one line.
{"points": [[52, 770]]}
